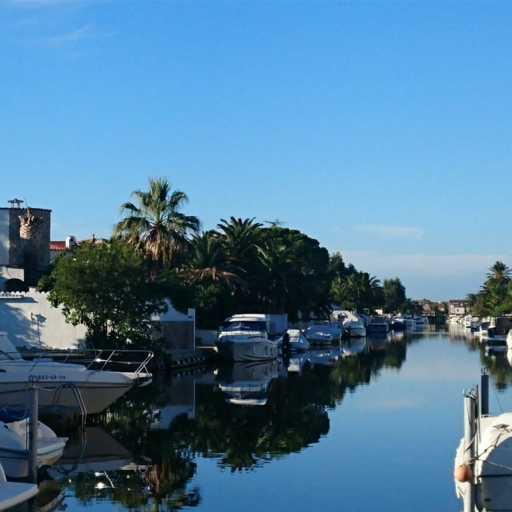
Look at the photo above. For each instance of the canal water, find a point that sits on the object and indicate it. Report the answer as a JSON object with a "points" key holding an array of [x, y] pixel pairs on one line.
{"points": [[371, 427]]}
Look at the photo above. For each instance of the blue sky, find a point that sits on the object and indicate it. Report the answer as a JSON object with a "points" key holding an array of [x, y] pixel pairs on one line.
{"points": [[380, 128]]}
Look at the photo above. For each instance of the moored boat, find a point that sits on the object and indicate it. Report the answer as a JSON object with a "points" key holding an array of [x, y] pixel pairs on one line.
{"points": [[378, 327], [66, 384], [353, 325], [324, 333], [483, 460], [248, 338]]}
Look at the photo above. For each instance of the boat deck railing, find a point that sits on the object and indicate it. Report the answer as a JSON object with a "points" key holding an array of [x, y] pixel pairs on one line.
{"points": [[131, 361]]}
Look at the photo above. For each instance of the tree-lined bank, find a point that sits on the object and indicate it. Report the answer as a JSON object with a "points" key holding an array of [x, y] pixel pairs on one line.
{"points": [[243, 265]]}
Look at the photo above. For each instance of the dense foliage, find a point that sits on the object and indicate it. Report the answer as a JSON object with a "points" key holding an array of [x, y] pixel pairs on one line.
{"points": [[495, 296], [106, 287], [241, 266], [394, 295]]}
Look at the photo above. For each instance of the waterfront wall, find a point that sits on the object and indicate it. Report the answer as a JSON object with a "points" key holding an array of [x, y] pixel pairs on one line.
{"points": [[31, 321], [177, 330]]}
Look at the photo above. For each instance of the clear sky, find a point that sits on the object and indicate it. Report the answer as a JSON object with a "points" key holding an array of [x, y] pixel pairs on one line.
{"points": [[380, 128]]}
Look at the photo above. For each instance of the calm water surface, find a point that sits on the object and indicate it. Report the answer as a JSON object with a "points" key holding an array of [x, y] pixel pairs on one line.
{"points": [[375, 430]]}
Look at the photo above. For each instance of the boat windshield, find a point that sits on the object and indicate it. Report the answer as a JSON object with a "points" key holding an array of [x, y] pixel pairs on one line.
{"points": [[244, 326]]}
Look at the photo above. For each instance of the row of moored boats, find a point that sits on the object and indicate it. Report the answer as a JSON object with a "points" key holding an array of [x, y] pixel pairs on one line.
{"points": [[260, 337]]}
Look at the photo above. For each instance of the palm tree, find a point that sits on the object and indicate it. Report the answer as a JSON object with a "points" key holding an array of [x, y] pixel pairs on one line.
{"points": [[278, 263], [240, 238], [499, 273], [208, 263], [155, 224]]}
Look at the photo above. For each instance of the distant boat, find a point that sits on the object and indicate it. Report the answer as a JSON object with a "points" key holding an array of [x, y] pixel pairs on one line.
{"points": [[422, 323], [324, 333], [377, 327], [398, 324], [14, 493], [353, 325]]}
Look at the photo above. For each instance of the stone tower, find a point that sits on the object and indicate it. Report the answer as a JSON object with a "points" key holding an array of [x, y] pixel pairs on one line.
{"points": [[25, 241]]}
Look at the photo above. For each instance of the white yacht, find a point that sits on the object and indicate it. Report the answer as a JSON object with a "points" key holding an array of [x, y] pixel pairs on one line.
{"points": [[14, 439], [298, 342], [248, 338], [324, 333], [67, 384], [353, 325], [14, 493]]}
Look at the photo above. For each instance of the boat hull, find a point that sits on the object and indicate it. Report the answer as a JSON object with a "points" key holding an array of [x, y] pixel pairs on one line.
{"points": [[96, 396], [258, 349]]}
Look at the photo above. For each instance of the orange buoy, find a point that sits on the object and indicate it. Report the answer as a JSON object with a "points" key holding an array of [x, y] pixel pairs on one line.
{"points": [[463, 473]]}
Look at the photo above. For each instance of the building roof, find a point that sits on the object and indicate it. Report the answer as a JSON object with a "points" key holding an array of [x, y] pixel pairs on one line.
{"points": [[59, 245], [24, 208]]}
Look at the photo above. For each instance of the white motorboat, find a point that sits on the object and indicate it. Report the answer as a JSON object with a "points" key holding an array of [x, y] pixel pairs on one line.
{"points": [[353, 325], [14, 439], [483, 460], [248, 338], [324, 333], [64, 383], [14, 493], [298, 342], [248, 383]]}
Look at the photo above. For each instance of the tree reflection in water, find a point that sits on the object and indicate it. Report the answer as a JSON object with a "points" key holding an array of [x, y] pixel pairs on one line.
{"points": [[498, 364], [293, 416]]}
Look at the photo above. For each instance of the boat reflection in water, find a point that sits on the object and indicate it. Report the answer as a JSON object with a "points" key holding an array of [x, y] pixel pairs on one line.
{"points": [[248, 383], [146, 451], [354, 347]]}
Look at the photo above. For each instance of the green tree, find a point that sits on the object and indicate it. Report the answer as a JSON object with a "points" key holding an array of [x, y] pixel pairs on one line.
{"points": [[394, 295], [155, 225], [240, 238], [358, 291], [106, 287], [207, 262]]}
